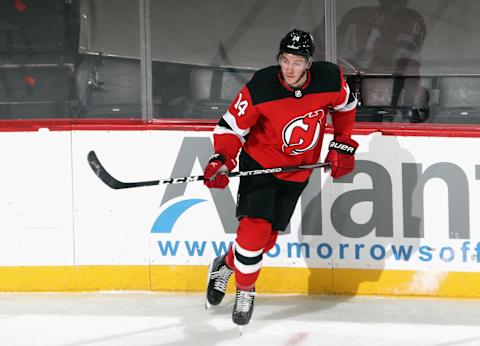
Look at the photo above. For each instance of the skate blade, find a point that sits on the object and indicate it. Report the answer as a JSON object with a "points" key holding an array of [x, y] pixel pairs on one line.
{"points": [[207, 305], [241, 328]]}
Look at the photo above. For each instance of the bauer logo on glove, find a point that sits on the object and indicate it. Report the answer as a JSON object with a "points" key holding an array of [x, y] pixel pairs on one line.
{"points": [[342, 147], [341, 156]]}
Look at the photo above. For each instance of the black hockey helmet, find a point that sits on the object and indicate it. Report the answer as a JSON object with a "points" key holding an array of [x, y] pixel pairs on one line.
{"points": [[297, 42]]}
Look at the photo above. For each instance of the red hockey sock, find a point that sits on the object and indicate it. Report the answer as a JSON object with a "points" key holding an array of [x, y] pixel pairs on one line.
{"points": [[271, 241], [253, 235]]}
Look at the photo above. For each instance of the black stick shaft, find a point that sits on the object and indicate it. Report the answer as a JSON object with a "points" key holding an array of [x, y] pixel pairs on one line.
{"points": [[109, 180]]}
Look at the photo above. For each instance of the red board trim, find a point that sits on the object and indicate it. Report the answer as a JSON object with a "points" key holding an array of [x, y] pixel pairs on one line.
{"points": [[363, 128]]}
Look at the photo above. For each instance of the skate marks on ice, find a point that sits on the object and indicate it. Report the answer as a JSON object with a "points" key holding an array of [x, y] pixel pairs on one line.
{"points": [[146, 318], [325, 320]]}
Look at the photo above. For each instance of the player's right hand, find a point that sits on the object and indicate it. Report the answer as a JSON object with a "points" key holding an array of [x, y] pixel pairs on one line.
{"points": [[214, 173]]}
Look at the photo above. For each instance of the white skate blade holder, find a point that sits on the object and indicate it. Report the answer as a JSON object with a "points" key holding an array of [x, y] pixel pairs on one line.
{"points": [[207, 304], [240, 329]]}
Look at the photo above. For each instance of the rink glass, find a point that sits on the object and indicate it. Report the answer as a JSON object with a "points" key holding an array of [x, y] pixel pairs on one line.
{"points": [[157, 60]]}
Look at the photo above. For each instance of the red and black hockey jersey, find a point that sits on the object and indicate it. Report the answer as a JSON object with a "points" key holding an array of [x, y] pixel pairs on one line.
{"points": [[280, 126]]}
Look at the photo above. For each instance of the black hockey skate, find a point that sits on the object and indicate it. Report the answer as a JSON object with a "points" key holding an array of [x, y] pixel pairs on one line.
{"points": [[217, 279], [243, 309]]}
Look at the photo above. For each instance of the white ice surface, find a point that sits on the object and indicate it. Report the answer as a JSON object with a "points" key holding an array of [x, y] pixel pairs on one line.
{"points": [[144, 318]]}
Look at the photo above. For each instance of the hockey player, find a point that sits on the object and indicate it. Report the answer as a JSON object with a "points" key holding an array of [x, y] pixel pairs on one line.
{"points": [[382, 39], [277, 119], [386, 38], [389, 37]]}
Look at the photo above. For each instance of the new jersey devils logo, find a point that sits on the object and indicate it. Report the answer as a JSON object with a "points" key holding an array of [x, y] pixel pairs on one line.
{"points": [[302, 133]]}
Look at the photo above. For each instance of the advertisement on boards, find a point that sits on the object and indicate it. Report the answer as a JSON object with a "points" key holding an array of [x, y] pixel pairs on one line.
{"points": [[410, 204]]}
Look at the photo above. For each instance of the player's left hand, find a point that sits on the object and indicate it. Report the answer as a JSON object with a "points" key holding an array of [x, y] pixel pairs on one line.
{"points": [[341, 156], [214, 173]]}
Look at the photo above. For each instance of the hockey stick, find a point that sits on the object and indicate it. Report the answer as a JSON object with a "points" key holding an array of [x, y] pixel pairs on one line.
{"points": [[104, 176]]}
